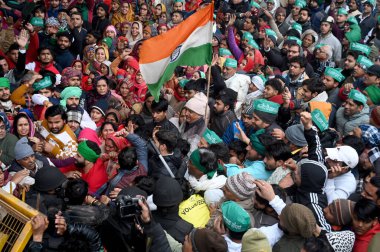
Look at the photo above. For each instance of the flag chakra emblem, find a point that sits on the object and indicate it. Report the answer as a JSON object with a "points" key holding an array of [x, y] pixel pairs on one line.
{"points": [[175, 54]]}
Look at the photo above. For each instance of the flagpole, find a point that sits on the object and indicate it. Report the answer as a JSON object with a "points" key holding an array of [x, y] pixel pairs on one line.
{"points": [[209, 73]]}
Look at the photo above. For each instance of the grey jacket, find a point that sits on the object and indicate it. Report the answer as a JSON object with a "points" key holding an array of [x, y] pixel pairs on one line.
{"points": [[345, 125]]}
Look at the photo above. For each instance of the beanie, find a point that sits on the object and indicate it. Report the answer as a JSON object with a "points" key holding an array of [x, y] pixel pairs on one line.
{"points": [[48, 178], [22, 149], [295, 135], [74, 115], [86, 152], [255, 241], [342, 210], [241, 185], [101, 105], [107, 41], [207, 240], [196, 105]]}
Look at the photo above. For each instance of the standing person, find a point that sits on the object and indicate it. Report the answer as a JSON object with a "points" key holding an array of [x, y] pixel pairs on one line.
{"points": [[223, 114], [7, 142], [326, 37]]}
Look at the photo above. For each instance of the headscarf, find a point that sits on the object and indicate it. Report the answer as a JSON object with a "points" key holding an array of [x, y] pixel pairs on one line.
{"points": [[298, 220], [86, 152], [120, 142], [131, 40], [89, 134], [68, 73], [32, 130], [70, 92]]}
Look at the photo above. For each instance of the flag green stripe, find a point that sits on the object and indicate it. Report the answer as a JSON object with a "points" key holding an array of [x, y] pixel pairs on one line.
{"points": [[194, 56]]}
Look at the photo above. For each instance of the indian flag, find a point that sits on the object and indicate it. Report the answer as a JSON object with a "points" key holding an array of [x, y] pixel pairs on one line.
{"points": [[187, 44]]}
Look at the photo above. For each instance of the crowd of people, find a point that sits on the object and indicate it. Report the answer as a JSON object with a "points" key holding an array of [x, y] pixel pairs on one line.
{"points": [[272, 146]]}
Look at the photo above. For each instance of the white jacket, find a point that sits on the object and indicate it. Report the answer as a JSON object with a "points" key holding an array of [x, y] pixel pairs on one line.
{"points": [[239, 83]]}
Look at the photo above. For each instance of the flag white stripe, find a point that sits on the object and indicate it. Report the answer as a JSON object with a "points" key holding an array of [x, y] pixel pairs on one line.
{"points": [[153, 71]]}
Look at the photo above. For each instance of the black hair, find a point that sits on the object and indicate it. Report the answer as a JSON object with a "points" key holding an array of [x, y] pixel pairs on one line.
{"points": [[375, 181], [358, 103], [15, 121], [227, 100], [355, 142], [14, 46], [201, 83], [167, 137], [300, 60], [221, 151], [76, 191], [307, 10], [275, 84], [354, 54], [160, 106], [277, 191], [208, 159], [102, 78], [235, 235], [315, 85], [314, 244], [43, 48], [94, 146], [183, 146], [278, 151], [366, 210], [113, 113], [179, 12], [40, 7], [114, 126], [239, 147], [54, 111], [53, 77], [145, 183], [191, 85], [127, 158], [78, 14], [2, 57], [293, 33]]}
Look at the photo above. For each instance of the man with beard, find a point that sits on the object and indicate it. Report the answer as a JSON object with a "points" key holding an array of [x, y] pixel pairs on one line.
{"points": [[92, 38], [237, 82], [296, 75], [304, 19], [349, 65], [79, 33], [90, 165], [60, 141], [223, 114], [326, 37], [70, 100], [366, 20], [354, 113], [64, 57], [6, 104], [331, 79]]}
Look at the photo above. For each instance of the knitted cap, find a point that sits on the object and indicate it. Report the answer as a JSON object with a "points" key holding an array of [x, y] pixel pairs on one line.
{"points": [[22, 149], [241, 185], [295, 135], [101, 105], [342, 210], [74, 115], [255, 241], [298, 220], [196, 105]]}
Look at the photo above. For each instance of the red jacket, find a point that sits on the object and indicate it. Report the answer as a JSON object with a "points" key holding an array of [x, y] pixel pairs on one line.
{"points": [[96, 176], [362, 241]]}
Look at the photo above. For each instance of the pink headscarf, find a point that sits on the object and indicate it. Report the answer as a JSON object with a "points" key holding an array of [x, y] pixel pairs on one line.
{"points": [[89, 134]]}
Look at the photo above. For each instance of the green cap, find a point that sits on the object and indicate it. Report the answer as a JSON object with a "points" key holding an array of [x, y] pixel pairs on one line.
{"points": [[352, 20], [319, 119], [107, 41], [4, 82], [342, 11], [354, 35], [179, 1], [230, 63], [183, 82], [371, 2], [247, 35], [266, 106], [319, 45], [298, 41], [300, 3], [224, 52], [253, 44], [297, 26], [270, 32], [360, 48], [36, 21], [364, 62], [44, 83], [357, 96], [334, 73], [256, 143], [235, 217], [211, 137], [254, 4]]}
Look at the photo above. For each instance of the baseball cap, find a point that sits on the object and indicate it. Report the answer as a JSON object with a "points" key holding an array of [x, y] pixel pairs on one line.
{"points": [[345, 154]]}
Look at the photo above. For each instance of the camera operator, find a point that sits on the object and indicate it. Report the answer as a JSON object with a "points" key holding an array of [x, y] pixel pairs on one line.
{"points": [[130, 224]]}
